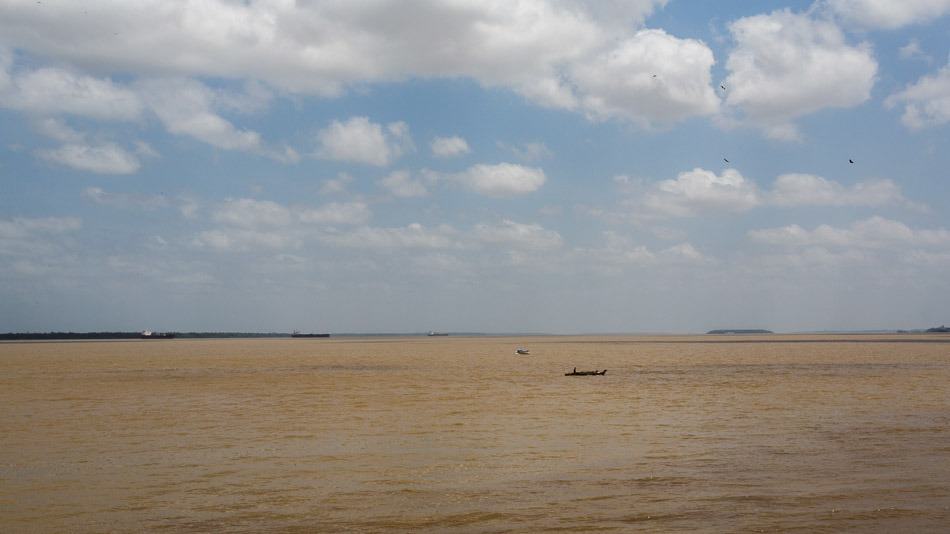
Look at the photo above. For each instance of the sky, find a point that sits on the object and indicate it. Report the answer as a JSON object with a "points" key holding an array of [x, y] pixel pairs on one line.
{"points": [[557, 166]]}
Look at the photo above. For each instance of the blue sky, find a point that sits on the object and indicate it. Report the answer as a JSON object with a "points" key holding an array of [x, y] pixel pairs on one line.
{"points": [[539, 165]]}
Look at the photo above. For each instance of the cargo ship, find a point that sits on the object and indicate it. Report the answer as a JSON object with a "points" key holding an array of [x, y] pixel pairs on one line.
{"points": [[298, 334], [148, 334]]}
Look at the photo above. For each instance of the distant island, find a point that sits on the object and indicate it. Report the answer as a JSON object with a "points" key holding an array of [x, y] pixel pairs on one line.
{"points": [[741, 331]]}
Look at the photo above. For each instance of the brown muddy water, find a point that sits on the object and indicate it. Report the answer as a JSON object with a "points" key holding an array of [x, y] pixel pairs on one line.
{"points": [[800, 433]]}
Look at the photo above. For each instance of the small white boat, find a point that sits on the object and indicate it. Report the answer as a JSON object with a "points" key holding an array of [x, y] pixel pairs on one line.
{"points": [[521, 350]]}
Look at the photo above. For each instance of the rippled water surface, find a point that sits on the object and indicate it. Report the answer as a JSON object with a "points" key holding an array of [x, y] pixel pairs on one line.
{"points": [[446, 434]]}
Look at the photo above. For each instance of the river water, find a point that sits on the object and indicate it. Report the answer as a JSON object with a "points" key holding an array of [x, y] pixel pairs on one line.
{"points": [[445, 434]]}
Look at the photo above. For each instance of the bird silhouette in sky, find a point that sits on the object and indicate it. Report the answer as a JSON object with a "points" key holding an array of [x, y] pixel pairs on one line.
{"points": [[724, 159], [850, 161], [723, 87]]}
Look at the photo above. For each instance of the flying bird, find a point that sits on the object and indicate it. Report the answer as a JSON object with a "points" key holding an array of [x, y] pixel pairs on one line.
{"points": [[723, 87], [850, 161], [724, 159]]}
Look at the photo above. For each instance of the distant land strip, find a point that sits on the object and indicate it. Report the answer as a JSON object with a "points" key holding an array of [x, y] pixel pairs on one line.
{"points": [[27, 336], [859, 337], [53, 336], [765, 340], [741, 331]]}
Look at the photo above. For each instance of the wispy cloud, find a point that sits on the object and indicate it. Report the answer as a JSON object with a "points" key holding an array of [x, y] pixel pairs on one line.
{"points": [[874, 232], [447, 147], [531, 236], [336, 213], [186, 107], [104, 158], [926, 102], [702, 191], [810, 190], [402, 185], [530, 151], [888, 15], [414, 235], [129, 201], [500, 180]]}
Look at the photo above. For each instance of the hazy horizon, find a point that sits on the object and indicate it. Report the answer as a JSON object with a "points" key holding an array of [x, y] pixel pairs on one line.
{"points": [[535, 166], [723, 332]]}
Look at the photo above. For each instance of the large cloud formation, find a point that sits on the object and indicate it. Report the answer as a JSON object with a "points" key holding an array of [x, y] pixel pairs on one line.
{"points": [[786, 65], [652, 76], [874, 232], [604, 69], [183, 106], [701, 191]]}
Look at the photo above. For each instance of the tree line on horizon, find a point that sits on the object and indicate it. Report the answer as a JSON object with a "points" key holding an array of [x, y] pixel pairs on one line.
{"points": [[26, 336]]}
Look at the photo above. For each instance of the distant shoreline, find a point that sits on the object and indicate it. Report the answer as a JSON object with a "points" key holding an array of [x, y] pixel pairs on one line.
{"points": [[52, 336], [65, 336], [756, 336]]}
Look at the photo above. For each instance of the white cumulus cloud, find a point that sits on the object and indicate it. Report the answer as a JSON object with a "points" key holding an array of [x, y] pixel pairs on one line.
{"points": [[501, 180], [54, 91], [786, 65], [700, 190], [926, 102], [649, 77], [360, 140], [325, 48]]}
